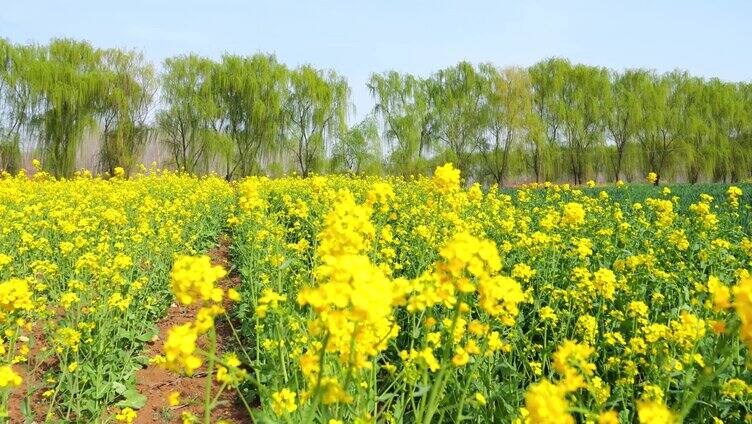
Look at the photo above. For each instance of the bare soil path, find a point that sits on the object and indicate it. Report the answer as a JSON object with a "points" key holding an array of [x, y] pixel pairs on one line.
{"points": [[157, 384]]}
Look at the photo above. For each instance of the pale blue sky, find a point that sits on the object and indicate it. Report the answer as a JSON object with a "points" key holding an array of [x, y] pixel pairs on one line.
{"points": [[709, 38]]}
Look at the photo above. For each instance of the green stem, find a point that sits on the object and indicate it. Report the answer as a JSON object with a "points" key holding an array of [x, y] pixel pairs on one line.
{"points": [[209, 375], [709, 376], [245, 403], [697, 389], [216, 395], [476, 362], [439, 386], [237, 338]]}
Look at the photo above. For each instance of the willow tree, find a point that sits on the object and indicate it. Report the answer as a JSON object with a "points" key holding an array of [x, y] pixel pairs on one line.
{"points": [[402, 102], [586, 96], [508, 111], [69, 84], [188, 121], [315, 111], [358, 150], [623, 117], [9, 146], [661, 130], [250, 93], [16, 99], [699, 153], [457, 97], [721, 97], [741, 133], [125, 109], [547, 78]]}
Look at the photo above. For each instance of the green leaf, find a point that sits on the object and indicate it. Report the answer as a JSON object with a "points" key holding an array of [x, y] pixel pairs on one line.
{"points": [[119, 388], [147, 336], [133, 399]]}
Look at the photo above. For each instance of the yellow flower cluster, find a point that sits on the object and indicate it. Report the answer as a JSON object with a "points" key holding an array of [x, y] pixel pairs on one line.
{"points": [[126, 415], [284, 402], [8, 377], [571, 360], [353, 298], [743, 306], [546, 403], [467, 259], [446, 178], [734, 193], [193, 279], [574, 214], [180, 347], [14, 296]]}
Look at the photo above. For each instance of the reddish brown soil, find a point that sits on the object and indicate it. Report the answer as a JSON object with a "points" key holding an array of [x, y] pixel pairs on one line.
{"points": [[157, 384]]}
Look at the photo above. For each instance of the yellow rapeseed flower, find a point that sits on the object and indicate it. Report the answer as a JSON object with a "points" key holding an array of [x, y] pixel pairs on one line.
{"points": [[283, 401]]}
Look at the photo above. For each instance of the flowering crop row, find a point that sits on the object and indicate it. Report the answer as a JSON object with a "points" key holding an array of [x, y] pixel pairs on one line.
{"points": [[84, 268], [367, 299]]}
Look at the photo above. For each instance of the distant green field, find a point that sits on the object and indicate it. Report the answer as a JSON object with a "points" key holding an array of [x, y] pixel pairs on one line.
{"points": [[687, 193]]}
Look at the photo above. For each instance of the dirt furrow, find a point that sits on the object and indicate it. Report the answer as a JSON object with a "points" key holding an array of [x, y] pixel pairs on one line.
{"points": [[157, 384]]}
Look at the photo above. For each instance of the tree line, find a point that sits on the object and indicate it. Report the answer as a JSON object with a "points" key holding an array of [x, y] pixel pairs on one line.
{"points": [[244, 115]]}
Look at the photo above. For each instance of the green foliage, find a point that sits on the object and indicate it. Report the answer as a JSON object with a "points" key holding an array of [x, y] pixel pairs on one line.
{"points": [[740, 139], [586, 94], [548, 79], [244, 115], [316, 110], [459, 116], [125, 110], [662, 98], [60, 91], [10, 154], [508, 110], [359, 149], [16, 100], [250, 93], [70, 86], [623, 116], [402, 101], [230, 111], [187, 123]]}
